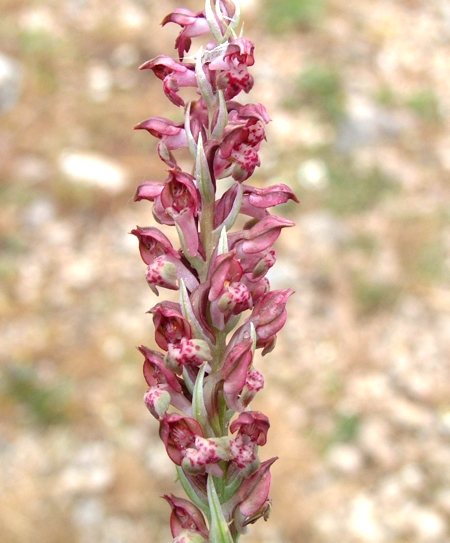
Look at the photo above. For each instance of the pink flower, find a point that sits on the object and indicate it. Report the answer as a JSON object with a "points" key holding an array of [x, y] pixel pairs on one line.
{"points": [[228, 296], [268, 317], [232, 67], [236, 364], [176, 202], [173, 75], [171, 134], [185, 516], [256, 200], [253, 424], [253, 384], [193, 25], [261, 236], [237, 152], [178, 433], [156, 372], [170, 325], [153, 244], [253, 496], [188, 352], [205, 454]]}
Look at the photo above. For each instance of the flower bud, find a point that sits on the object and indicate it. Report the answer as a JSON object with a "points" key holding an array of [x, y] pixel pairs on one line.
{"points": [[161, 273], [157, 401], [253, 384]]}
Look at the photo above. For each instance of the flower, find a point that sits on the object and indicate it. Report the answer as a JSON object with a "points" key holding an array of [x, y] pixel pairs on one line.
{"points": [[235, 366], [156, 372], [233, 66], [252, 499], [251, 428], [204, 455], [253, 424], [236, 153], [193, 25], [153, 244], [255, 200], [171, 134], [178, 433], [268, 316], [228, 296], [170, 325], [164, 386], [185, 516], [173, 75], [188, 352], [262, 235]]}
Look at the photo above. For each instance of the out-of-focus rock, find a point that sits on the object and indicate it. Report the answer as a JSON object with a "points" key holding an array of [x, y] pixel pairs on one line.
{"points": [[90, 470], [313, 174], [365, 124], [345, 459], [93, 170], [10, 82]]}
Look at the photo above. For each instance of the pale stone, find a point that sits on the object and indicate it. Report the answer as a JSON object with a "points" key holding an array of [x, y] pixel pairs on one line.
{"points": [[345, 459], [313, 174], [92, 169]]}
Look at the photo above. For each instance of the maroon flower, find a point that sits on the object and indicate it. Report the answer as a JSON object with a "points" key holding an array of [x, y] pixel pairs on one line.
{"points": [[268, 317], [176, 202], [178, 433], [153, 243], [237, 152], [253, 496], [156, 372], [228, 296], [170, 325], [253, 424], [185, 516], [177, 193]]}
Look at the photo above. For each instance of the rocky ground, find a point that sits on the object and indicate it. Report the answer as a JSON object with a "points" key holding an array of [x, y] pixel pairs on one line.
{"points": [[358, 389]]}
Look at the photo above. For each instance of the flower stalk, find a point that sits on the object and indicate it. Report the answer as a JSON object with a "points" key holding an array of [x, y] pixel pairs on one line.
{"points": [[202, 379]]}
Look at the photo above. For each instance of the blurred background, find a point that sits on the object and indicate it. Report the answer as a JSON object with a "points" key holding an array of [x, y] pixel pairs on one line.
{"points": [[358, 388]]}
